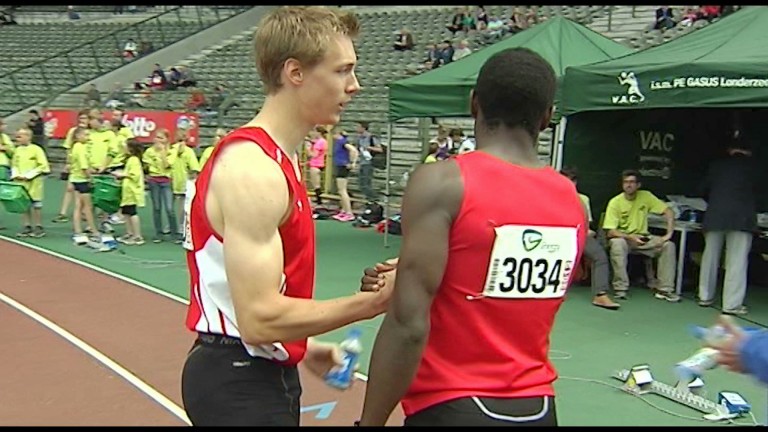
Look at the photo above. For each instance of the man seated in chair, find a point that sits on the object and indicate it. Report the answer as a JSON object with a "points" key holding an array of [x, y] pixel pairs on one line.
{"points": [[626, 226]]}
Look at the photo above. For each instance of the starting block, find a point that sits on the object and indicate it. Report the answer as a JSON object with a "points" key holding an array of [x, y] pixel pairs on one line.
{"points": [[105, 244], [639, 381]]}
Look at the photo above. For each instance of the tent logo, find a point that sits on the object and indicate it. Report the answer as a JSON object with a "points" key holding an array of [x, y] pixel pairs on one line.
{"points": [[633, 95]]}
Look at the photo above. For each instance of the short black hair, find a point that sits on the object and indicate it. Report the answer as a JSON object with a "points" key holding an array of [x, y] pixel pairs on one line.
{"points": [[570, 172], [631, 173], [516, 88]]}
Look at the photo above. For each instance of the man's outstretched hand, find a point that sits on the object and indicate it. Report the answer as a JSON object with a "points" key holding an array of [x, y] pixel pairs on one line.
{"points": [[373, 277]]}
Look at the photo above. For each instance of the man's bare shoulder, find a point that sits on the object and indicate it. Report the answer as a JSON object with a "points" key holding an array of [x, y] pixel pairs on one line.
{"points": [[246, 181], [438, 183], [245, 163]]}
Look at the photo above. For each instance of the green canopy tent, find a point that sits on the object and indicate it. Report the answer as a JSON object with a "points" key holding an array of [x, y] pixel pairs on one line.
{"points": [[723, 65], [668, 109], [444, 92]]}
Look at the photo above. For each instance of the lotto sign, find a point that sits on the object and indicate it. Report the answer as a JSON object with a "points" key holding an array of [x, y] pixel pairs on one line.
{"points": [[143, 124], [531, 262]]}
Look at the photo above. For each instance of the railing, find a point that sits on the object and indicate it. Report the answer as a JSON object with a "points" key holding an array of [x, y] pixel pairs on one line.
{"points": [[45, 79]]}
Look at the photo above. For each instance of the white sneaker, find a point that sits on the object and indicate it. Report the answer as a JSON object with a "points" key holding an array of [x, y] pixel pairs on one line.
{"points": [[668, 296]]}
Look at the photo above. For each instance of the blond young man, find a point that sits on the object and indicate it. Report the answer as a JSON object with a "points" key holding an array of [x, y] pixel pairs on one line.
{"points": [[250, 235]]}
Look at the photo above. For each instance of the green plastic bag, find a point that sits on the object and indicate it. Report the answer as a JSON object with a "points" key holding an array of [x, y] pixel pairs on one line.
{"points": [[107, 193], [14, 197]]}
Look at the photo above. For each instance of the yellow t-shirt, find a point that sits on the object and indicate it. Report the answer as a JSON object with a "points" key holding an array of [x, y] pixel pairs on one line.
{"points": [[205, 156], [587, 206], [125, 132], [153, 162], [117, 150], [133, 183], [69, 138], [98, 147], [5, 156], [30, 161], [78, 163], [631, 217], [430, 159], [184, 164]]}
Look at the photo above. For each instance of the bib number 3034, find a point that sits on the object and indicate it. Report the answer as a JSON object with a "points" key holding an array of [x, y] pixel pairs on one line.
{"points": [[530, 262]]}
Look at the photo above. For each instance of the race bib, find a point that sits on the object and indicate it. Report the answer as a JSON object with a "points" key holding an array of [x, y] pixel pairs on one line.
{"points": [[531, 262], [188, 196]]}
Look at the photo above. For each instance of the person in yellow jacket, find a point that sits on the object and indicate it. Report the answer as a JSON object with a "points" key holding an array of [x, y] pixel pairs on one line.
{"points": [[158, 160], [66, 200], [80, 172], [220, 133], [132, 193], [100, 141], [117, 151], [124, 131], [29, 166], [185, 169], [6, 153]]}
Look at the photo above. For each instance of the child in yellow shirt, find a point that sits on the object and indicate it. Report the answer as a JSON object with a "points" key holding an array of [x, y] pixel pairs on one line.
{"points": [[29, 167], [80, 172], [133, 193], [159, 160], [220, 133], [66, 200], [185, 168]]}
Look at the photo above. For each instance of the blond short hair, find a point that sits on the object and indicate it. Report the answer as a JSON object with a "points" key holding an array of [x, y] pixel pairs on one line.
{"points": [[298, 32]]}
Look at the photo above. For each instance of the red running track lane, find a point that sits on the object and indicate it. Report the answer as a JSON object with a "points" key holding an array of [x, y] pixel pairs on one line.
{"points": [[140, 330]]}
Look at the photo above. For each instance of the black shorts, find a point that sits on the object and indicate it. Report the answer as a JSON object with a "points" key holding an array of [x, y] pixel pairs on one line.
{"points": [[82, 187], [222, 385], [128, 210], [484, 411], [340, 171]]}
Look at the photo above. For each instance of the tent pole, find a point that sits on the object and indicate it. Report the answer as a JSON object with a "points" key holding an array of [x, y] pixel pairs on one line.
{"points": [[560, 138], [387, 187], [554, 149]]}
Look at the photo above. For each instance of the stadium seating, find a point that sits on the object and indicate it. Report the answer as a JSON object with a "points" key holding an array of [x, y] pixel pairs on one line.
{"points": [[75, 52], [230, 63]]}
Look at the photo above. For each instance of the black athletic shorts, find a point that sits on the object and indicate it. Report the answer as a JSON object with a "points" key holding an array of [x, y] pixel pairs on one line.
{"points": [[128, 210], [340, 171], [223, 385], [483, 411], [82, 187]]}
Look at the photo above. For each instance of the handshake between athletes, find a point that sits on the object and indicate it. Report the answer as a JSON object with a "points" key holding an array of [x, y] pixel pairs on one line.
{"points": [[377, 277]]}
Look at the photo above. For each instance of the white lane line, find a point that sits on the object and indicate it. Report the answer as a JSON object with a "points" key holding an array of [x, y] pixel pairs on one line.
{"points": [[125, 279], [100, 357]]}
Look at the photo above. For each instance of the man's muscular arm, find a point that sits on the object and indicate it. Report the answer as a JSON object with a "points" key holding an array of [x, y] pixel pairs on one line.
{"points": [[249, 198]]}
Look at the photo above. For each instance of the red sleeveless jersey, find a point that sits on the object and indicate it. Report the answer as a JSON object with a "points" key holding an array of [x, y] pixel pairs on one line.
{"points": [[210, 308], [513, 247]]}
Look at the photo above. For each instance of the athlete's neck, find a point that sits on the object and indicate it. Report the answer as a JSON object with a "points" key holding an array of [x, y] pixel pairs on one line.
{"points": [[281, 117], [512, 145]]}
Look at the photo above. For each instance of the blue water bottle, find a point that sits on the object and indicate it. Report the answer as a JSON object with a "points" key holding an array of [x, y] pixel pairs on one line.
{"points": [[341, 376]]}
